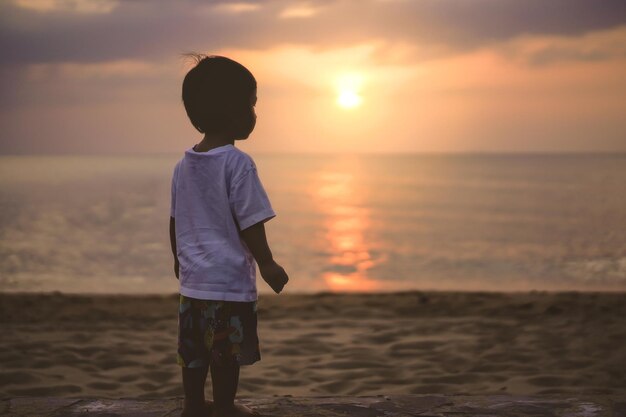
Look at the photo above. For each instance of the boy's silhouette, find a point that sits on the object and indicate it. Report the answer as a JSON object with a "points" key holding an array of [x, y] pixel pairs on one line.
{"points": [[217, 233]]}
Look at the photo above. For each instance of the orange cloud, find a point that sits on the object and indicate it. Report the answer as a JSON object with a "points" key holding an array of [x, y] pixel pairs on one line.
{"points": [[76, 6]]}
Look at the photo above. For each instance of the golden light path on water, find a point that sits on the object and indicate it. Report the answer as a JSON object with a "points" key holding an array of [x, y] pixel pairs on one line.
{"points": [[346, 224]]}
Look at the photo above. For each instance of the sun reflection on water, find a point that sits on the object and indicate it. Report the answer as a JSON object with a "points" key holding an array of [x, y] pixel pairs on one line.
{"points": [[347, 223]]}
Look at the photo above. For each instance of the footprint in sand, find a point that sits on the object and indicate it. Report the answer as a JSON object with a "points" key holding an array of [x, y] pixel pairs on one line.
{"points": [[146, 386], [158, 347], [548, 381], [158, 376], [106, 386], [128, 378]]}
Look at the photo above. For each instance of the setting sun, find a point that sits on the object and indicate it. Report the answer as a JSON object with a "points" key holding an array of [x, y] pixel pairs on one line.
{"points": [[348, 86], [348, 99]]}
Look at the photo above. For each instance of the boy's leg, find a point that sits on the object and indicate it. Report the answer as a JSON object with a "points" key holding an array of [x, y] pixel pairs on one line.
{"points": [[239, 335], [225, 379], [193, 385]]}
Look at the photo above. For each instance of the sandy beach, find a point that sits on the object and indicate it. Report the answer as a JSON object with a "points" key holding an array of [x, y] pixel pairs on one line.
{"points": [[341, 344]]}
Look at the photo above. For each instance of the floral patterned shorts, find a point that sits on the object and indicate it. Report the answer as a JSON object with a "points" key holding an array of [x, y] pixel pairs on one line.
{"points": [[217, 332]]}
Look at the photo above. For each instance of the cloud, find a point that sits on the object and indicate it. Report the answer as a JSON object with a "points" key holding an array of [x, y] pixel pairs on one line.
{"points": [[72, 6], [236, 7], [112, 69], [298, 11], [141, 29], [547, 50]]}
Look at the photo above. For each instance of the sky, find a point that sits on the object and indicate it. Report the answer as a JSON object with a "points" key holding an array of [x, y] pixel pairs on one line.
{"points": [[367, 76]]}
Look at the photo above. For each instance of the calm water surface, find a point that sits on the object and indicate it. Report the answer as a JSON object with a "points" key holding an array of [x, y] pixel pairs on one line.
{"points": [[345, 223]]}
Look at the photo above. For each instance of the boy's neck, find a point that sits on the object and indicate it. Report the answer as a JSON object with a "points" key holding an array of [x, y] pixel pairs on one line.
{"points": [[211, 141]]}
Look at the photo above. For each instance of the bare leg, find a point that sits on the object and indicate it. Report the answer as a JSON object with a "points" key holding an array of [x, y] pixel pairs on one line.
{"points": [[193, 385], [225, 381]]}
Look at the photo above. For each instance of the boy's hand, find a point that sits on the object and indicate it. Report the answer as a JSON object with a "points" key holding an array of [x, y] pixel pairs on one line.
{"points": [[274, 275]]}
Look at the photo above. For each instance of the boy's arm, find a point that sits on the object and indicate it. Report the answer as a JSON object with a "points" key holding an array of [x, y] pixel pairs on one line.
{"points": [[173, 244], [272, 273]]}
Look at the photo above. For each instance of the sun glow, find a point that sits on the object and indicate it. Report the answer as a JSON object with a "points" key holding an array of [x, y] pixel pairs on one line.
{"points": [[348, 87], [348, 99]]}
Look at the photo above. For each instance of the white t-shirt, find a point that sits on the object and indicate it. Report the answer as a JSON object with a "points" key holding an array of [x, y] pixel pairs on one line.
{"points": [[214, 195]]}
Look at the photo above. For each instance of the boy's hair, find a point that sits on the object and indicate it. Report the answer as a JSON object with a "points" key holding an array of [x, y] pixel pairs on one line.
{"points": [[216, 94]]}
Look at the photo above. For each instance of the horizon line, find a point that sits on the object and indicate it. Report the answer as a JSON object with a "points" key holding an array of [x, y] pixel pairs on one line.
{"points": [[334, 153]]}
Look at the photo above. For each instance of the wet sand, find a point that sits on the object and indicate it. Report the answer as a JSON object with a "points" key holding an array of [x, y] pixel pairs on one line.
{"points": [[326, 344]]}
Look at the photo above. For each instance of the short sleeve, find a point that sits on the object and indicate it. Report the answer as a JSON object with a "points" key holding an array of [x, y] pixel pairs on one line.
{"points": [[249, 202], [173, 202]]}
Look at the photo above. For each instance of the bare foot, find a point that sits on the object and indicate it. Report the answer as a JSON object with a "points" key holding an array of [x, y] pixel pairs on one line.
{"points": [[207, 411], [238, 410], [208, 408]]}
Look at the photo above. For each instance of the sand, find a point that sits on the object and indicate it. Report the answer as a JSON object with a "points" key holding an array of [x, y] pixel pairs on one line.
{"points": [[326, 344]]}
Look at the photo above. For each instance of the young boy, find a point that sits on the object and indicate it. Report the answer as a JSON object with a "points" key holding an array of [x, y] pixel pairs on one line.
{"points": [[217, 232]]}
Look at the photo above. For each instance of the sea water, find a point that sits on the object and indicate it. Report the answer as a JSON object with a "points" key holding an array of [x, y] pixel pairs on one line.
{"points": [[489, 222]]}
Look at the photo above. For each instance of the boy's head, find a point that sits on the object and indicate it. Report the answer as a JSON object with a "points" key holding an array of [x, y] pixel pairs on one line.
{"points": [[219, 95]]}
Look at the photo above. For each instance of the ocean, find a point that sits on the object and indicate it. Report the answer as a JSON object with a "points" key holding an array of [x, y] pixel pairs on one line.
{"points": [[467, 222]]}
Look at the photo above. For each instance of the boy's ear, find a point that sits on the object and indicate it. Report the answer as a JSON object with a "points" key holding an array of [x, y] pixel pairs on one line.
{"points": [[243, 123]]}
